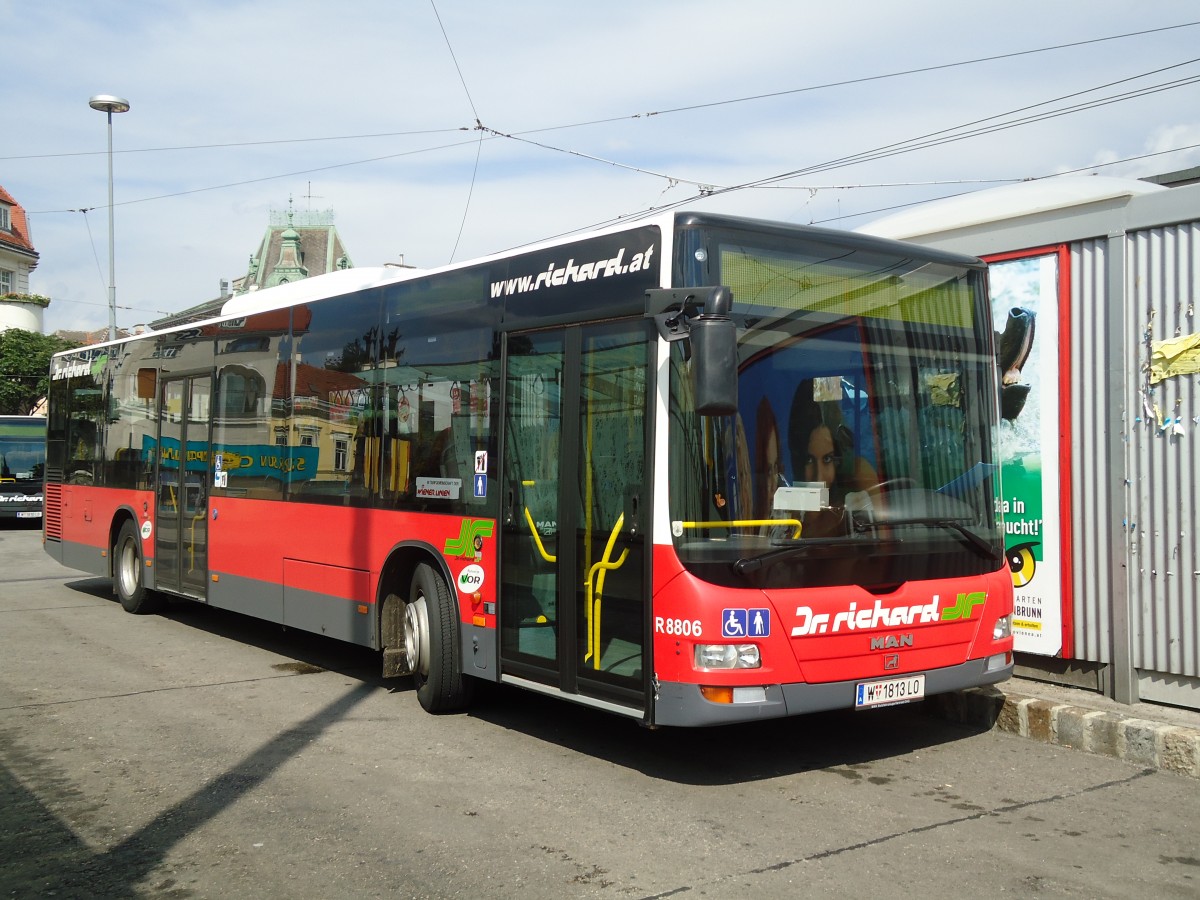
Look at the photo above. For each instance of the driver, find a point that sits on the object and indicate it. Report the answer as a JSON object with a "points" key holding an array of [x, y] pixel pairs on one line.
{"points": [[822, 449]]}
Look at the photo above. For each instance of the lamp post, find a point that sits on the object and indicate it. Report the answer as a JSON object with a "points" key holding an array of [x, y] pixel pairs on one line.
{"points": [[109, 104]]}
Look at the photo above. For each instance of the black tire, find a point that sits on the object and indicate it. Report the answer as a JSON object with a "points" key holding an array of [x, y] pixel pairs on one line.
{"points": [[129, 573], [441, 685]]}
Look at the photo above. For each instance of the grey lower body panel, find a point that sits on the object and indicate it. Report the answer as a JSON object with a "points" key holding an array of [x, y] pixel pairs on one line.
{"points": [[79, 556], [304, 610], [683, 705], [479, 652]]}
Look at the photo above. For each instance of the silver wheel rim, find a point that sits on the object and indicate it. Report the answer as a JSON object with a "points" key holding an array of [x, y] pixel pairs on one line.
{"points": [[416, 635], [127, 569]]}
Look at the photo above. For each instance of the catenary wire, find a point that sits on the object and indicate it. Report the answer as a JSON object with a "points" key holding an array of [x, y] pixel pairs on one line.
{"points": [[627, 117], [479, 144]]}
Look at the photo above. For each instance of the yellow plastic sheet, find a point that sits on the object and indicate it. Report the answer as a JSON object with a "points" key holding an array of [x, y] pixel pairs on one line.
{"points": [[1178, 356]]}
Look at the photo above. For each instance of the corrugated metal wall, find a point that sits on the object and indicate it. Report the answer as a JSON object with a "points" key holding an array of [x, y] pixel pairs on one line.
{"points": [[1092, 507], [1135, 559], [1163, 462]]}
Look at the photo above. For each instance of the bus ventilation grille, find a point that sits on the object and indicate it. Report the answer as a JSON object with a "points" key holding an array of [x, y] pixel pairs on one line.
{"points": [[52, 511]]}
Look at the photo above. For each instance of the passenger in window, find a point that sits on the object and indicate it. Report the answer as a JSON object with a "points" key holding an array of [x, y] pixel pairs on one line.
{"points": [[822, 450], [768, 460]]}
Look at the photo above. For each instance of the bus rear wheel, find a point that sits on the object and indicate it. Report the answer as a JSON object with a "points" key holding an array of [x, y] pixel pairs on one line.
{"points": [[129, 579], [431, 642]]}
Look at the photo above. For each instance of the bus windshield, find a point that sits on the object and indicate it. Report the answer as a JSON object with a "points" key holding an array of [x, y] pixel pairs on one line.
{"points": [[22, 450], [22, 466], [860, 451]]}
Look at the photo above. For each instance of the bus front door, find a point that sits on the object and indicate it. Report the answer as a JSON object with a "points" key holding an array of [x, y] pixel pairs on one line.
{"points": [[182, 476], [574, 556]]}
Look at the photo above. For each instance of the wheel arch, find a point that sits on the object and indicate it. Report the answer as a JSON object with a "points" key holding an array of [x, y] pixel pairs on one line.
{"points": [[395, 578], [121, 515]]}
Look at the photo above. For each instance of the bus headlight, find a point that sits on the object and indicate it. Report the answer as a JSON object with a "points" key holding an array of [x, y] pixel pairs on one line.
{"points": [[1003, 628], [727, 656]]}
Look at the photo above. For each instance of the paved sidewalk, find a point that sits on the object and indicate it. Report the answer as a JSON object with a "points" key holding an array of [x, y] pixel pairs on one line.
{"points": [[1159, 737]]}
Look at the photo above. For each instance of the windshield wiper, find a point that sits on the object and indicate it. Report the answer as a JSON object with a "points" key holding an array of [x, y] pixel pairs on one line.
{"points": [[983, 547], [748, 564]]}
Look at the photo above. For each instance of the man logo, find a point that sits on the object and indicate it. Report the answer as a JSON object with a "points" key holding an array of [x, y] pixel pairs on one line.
{"points": [[892, 642], [891, 661]]}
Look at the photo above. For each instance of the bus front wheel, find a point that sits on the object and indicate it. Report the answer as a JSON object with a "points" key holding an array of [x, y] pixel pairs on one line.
{"points": [[431, 642], [129, 579]]}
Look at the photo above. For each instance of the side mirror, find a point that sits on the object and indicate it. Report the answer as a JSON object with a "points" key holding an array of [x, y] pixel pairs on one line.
{"points": [[714, 366], [711, 337]]}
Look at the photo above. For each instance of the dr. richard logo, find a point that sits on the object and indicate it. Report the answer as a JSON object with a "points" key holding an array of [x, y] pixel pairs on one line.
{"points": [[880, 616]]}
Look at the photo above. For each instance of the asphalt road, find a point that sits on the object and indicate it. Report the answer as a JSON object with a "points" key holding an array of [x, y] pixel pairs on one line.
{"points": [[202, 754]]}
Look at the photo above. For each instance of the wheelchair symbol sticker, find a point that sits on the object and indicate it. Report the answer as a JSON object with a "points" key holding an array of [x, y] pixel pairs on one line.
{"points": [[743, 623]]}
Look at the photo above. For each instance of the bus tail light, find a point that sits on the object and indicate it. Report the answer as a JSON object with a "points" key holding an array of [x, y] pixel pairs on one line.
{"points": [[727, 694], [727, 656]]}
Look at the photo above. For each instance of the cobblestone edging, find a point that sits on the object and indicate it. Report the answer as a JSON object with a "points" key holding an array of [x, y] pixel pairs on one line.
{"points": [[1173, 748]]}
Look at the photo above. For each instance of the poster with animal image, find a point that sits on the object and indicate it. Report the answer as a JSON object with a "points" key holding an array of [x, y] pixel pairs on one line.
{"points": [[1024, 294]]}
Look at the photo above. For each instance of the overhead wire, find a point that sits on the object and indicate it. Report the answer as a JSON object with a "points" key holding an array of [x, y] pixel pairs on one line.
{"points": [[479, 145], [1091, 168], [233, 144], [705, 189], [955, 134], [633, 116], [276, 177], [932, 139], [520, 136], [867, 78]]}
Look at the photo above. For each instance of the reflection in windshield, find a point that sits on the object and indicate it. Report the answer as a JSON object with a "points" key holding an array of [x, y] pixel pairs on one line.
{"points": [[859, 450]]}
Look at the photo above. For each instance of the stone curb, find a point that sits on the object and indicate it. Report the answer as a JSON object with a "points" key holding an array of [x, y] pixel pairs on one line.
{"points": [[1173, 748]]}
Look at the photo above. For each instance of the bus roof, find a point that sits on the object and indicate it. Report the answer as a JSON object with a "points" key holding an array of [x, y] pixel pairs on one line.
{"points": [[346, 281]]}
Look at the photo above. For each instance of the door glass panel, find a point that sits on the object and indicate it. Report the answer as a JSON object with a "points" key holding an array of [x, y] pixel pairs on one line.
{"points": [[181, 519], [609, 530], [529, 619], [170, 484], [194, 523]]}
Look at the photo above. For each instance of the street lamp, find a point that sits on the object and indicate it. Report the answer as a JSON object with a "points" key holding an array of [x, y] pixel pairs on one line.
{"points": [[109, 104]]}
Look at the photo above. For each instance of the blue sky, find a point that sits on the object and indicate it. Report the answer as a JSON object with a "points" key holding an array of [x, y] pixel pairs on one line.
{"points": [[370, 109]]}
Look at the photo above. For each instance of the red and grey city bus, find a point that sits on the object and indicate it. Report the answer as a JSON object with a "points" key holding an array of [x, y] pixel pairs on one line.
{"points": [[693, 470], [22, 464]]}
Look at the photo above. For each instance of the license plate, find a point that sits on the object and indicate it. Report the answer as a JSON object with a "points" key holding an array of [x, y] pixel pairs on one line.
{"points": [[29, 515], [891, 690]]}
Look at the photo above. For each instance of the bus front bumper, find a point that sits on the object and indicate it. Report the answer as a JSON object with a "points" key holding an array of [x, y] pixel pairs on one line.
{"points": [[680, 704]]}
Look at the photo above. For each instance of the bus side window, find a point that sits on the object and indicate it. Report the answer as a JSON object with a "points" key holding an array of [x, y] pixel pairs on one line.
{"points": [[87, 409]]}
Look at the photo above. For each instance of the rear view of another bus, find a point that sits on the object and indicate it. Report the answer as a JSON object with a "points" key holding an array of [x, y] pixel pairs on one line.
{"points": [[22, 467]]}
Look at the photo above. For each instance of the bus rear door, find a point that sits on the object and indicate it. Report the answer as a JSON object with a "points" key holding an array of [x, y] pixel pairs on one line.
{"points": [[182, 477]]}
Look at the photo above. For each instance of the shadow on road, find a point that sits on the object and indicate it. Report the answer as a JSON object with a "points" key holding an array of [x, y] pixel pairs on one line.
{"points": [[831, 741], [721, 755], [42, 855]]}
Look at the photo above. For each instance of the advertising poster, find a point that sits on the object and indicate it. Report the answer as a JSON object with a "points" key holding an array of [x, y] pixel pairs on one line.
{"points": [[1025, 313]]}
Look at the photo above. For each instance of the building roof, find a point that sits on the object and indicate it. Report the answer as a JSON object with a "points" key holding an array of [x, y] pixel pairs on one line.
{"points": [[16, 238], [1008, 202], [84, 338], [296, 246]]}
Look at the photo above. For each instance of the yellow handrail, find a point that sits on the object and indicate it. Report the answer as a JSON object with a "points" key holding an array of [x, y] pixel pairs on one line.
{"points": [[192, 543], [596, 574], [742, 523], [748, 523], [537, 539]]}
